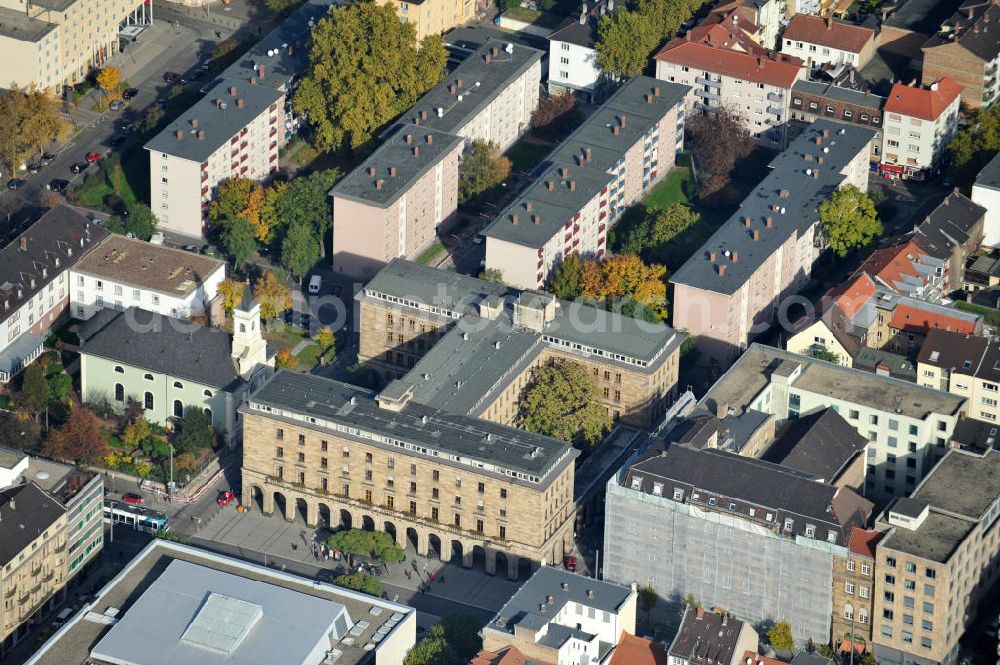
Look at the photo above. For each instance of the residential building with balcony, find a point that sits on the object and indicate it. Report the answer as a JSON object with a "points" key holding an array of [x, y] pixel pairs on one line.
{"points": [[964, 365], [469, 346], [433, 17], [986, 193], [826, 41], [966, 51], [732, 288], [735, 526], [560, 617], [707, 636], [952, 233], [937, 560], [122, 272], [907, 426], [754, 82], [56, 43], [606, 165], [812, 100], [452, 486], [175, 603], [918, 123], [234, 131], [35, 283]]}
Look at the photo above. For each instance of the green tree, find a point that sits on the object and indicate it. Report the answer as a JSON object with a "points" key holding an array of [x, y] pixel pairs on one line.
{"points": [[849, 220], [224, 49], [462, 633], [137, 431], [109, 79], [30, 119], [139, 221], [689, 600], [647, 599], [494, 275], [973, 147], [365, 69], [780, 636], [361, 582], [325, 338], [19, 431], [282, 6], [304, 202], [670, 223], [432, 650], [196, 431], [625, 40], [239, 241], [61, 387], [823, 353], [272, 294], [565, 281], [376, 544], [482, 167], [35, 392], [563, 400], [285, 359], [300, 248], [186, 463]]}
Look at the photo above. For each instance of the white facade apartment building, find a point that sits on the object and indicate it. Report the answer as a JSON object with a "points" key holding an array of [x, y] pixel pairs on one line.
{"points": [[758, 87], [826, 41], [122, 273], [235, 131], [907, 426], [986, 192], [573, 54], [918, 124]]}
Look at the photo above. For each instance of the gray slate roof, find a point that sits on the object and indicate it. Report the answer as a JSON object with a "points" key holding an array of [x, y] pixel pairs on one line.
{"points": [[820, 444], [25, 513], [522, 608], [801, 204], [705, 637], [838, 93], [440, 434], [161, 344], [873, 360], [56, 242], [551, 209], [948, 225], [989, 177], [973, 33]]}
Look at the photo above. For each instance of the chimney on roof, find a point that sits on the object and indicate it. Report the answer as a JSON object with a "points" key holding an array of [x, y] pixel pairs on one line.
{"points": [[232, 91], [711, 255], [536, 219], [819, 140], [563, 172], [616, 130], [769, 221], [194, 122], [721, 268], [486, 58], [755, 234], [24, 243], [416, 121], [734, 255], [550, 185], [656, 91], [379, 183], [496, 51], [807, 157], [371, 171], [253, 80], [623, 121], [829, 23], [513, 219], [429, 139], [572, 185], [819, 160], [451, 88], [541, 607], [201, 134], [783, 193], [649, 98], [529, 206], [583, 15], [416, 151], [826, 133], [392, 171], [239, 103], [459, 82], [760, 62], [588, 153], [179, 134], [746, 220], [261, 70], [409, 139]]}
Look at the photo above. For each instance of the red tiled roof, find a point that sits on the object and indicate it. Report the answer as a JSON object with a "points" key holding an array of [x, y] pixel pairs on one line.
{"points": [[753, 658], [632, 650], [508, 656], [863, 541], [782, 71], [913, 319], [724, 35], [827, 32], [732, 15], [923, 103], [852, 296], [891, 264]]}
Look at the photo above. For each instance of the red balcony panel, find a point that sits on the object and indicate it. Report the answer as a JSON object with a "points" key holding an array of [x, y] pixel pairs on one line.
{"points": [[244, 158], [274, 119], [204, 191], [540, 264], [539, 277], [567, 237], [244, 170], [568, 224], [274, 107], [234, 140], [602, 203], [274, 144], [273, 158], [605, 190], [600, 241], [244, 131], [600, 229], [244, 145], [604, 213], [234, 166], [540, 252]]}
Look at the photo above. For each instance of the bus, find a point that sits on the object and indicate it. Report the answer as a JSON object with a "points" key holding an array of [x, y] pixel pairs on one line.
{"points": [[136, 517]]}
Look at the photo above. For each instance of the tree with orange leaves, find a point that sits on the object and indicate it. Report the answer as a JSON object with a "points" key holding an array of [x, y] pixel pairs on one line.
{"points": [[80, 439], [624, 283]]}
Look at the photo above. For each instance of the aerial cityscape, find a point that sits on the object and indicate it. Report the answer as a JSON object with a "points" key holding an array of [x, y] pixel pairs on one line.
{"points": [[500, 332]]}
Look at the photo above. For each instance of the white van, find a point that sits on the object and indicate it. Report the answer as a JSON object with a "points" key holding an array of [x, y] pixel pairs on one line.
{"points": [[314, 283]]}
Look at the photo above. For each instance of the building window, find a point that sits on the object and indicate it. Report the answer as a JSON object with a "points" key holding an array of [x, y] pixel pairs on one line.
{"points": [[850, 565], [848, 612], [503, 491], [147, 401], [178, 409], [865, 569], [279, 434], [890, 561], [279, 452], [119, 369], [119, 392], [849, 587], [148, 377]]}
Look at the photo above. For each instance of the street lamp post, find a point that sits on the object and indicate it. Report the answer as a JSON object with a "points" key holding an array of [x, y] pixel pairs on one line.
{"points": [[112, 521]]}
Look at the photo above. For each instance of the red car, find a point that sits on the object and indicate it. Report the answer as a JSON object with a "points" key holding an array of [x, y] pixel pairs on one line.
{"points": [[570, 564], [226, 498], [93, 157], [133, 498]]}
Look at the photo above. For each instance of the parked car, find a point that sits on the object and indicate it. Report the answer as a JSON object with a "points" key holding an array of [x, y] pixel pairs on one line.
{"points": [[130, 93], [170, 77], [93, 157], [478, 239], [79, 167], [117, 105], [58, 185], [15, 183], [305, 321], [117, 140], [133, 498], [34, 168], [288, 316], [315, 282], [46, 158], [226, 498], [570, 564]]}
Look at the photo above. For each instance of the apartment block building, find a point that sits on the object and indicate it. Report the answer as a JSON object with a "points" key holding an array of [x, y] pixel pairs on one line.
{"points": [[918, 124], [56, 43], [452, 486], [986, 193], [35, 282], [733, 287], [750, 536], [952, 233], [573, 55], [756, 83], [434, 17], [812, 100], [603, 167], [907, 425], [407, 188], [964, 365], [490, 96], [966, 51], [560, 617], [122, 272], [469, 346], [937, 560], [826, 41], [854, 591], [234, 131]]}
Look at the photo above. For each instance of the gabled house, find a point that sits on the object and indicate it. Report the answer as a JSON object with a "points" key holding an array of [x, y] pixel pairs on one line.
{"points": [[951, 233], [825, 41], [905, 269]]}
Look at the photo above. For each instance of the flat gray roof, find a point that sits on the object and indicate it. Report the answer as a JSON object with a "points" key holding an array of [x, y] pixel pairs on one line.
{"points": [[935, 540], [481, 82], [989, 177], [449, 438], [552, 208], [752, 373], [196, 615], [788, 187], [73, 643], [963, 483], [418, 284], [171, 271], [394, 167], [16, 25]]}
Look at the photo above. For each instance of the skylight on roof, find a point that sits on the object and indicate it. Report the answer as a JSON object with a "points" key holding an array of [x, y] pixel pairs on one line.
{"points": [[222, 623]]}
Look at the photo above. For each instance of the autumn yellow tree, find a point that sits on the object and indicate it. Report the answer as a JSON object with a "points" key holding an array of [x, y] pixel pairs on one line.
{"points": [[623, 282], [232, 292], [136, 432], [272, 295], [285, 359], [30, 119], [241, 197], [109, 79]]}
